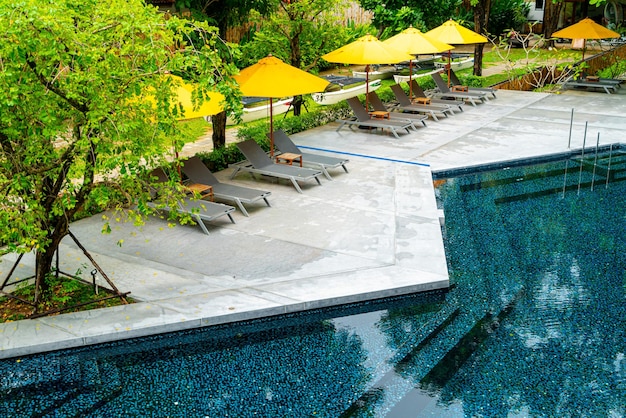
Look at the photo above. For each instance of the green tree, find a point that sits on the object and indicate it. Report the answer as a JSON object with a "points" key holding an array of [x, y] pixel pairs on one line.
{"points": [[506, 15], [225, 14], [393, 16], [481, 9], [551, 12], [297, 33], [85, 110], [427, 15]]}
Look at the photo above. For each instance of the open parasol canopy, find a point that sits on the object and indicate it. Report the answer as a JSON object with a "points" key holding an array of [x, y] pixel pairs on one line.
{"points": [[414, 42], [272, 78], [452, 33], [585, 29], [212, 105], [367, 50], [187, 107]]}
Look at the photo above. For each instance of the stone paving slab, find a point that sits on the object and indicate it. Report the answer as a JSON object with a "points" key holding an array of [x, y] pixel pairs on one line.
{"points": [[372, 233]]}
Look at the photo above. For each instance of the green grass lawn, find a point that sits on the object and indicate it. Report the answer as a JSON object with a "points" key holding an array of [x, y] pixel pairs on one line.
{"points": [[519, 55], [194, 128]]}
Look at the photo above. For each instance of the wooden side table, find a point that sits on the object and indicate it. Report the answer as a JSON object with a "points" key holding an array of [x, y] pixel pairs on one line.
{"points": [[463, 89], [379, 114], [422, 100], [203, 190], [288, 158]]}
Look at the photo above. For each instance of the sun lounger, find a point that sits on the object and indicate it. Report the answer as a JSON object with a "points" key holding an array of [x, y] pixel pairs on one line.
{"points": [[615, 81], [404, 103], [323, 162], [456, 82], [160, 176], [418, 93], [362, 118], [199, 173], [583, 83], [444, 91], [200, 210], [258, 162], [414, 116]]}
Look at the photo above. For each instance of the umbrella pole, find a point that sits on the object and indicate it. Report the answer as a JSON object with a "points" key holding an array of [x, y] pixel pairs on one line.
{"points": [[367, 87], [449, 66], [584, 46], [271, 128], [411, 79]]}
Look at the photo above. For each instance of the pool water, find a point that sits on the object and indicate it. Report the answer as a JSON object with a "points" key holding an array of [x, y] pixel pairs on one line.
{"points": [[533, 325]]}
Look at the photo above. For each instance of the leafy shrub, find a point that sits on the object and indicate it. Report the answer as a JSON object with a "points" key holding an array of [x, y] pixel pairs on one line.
{"points": [[220, 158], [615, 70], [318, 39], [471, 81], [507, 14]]}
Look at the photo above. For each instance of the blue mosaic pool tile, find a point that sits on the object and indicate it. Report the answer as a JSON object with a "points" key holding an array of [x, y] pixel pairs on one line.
{"points": [[533, 326]]}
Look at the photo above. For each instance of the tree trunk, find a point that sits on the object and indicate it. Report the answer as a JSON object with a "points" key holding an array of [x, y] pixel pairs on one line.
{"points": [[551, 14], [297, 105], [44, 259], [218, 121], [481, 21], [296, 61], [478, 59], [219, 130]]}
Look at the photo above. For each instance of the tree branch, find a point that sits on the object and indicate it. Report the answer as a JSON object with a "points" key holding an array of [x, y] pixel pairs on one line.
{"points": [[50, 86]]}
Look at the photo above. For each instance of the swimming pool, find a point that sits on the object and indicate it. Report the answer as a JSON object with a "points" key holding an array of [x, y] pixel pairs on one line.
{"points": [[533, 326]]}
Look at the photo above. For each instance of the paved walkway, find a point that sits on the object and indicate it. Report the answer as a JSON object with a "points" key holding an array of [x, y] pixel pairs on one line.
{"points": [[372, 233]]}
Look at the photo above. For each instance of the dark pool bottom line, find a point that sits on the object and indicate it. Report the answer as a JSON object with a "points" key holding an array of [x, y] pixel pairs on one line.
{"points": [[618, 148]]}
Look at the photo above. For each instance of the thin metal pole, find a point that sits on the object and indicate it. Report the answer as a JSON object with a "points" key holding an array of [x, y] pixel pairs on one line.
{"points": [[571, 123], [608, 169], [582, 157], [565, 178], [4, 283], [117, 292], [595, 162]]}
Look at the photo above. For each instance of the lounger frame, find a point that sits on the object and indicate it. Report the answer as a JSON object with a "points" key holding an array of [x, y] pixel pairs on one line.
{"points": [[418, 92], [200, 210], [362, 118], [323, 162], [444, 91], [404, 103], [258, 162], [455, 81], [607, 87], [197, 172]]}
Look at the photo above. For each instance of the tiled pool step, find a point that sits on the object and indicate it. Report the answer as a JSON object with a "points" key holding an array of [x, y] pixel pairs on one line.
{"points": [[395, 375]]}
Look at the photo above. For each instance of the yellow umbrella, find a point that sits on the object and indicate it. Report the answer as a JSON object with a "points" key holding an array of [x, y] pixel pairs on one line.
{"points": [[367, 50], [189, 108], [414, 42], [272, 78], [451, 32], [212, 105], [585, 29]]}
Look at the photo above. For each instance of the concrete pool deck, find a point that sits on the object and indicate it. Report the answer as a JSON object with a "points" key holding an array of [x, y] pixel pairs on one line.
{"points": [[372, 233]]}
